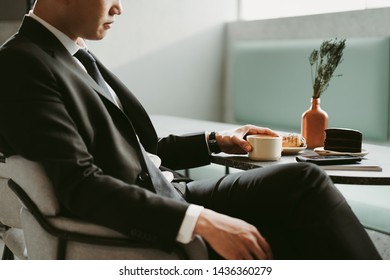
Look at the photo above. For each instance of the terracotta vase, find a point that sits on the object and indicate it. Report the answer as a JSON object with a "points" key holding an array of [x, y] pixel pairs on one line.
{"points": [[314, 123]]}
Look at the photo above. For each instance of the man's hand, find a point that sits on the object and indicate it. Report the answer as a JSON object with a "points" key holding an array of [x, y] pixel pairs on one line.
{"points": [[232, 238], [233, 142]]}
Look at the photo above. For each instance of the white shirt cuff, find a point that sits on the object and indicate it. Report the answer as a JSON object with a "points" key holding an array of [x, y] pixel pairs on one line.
{"points": [[186, 231]]}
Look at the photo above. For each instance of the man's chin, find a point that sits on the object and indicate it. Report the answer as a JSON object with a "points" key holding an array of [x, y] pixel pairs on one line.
{"points": [[96, 37]]}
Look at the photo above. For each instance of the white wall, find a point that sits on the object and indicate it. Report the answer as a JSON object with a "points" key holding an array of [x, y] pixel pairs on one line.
{"points": [[364, 23], [170, 54]]}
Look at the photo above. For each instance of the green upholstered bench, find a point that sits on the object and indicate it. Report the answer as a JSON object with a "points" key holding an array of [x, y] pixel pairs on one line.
{"points": [[269, 84], [371, 204]]}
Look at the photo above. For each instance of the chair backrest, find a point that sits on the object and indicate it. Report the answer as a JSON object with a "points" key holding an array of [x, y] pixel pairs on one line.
{"points": [[9, 204], [31, 177], [49, 235]]}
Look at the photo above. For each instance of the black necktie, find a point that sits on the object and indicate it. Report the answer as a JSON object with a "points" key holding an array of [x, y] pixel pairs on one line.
{"points": [[90, 65], [160, 183]]}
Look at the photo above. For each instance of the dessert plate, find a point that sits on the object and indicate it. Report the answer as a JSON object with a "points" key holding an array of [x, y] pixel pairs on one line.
{"points": [[322, 152], [292, 150]]}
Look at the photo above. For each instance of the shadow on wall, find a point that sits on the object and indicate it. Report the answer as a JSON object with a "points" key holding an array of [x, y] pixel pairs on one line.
{"points": [[182, 79]]}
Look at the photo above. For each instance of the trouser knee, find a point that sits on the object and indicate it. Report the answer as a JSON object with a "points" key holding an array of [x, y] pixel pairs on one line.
{"points": [[312, 177], [316, 190]]}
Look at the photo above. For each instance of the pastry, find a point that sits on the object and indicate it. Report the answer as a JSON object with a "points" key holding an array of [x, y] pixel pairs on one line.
{"points": [[343, 140], [293, 140]]}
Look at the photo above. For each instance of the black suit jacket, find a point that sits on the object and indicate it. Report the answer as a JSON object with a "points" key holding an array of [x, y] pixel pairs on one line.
{"points": [[52, 112]]}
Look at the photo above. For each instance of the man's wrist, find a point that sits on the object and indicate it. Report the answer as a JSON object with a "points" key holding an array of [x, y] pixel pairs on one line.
{"points": [[212, 143], [186, 231]]}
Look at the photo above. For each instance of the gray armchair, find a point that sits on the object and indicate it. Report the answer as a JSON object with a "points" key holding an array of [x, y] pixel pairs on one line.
{"points": [[35, 229], [10, 207]]}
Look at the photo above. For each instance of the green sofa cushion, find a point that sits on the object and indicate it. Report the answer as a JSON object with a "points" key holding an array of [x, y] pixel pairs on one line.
{"points": [[269, 84], [370, 204]]}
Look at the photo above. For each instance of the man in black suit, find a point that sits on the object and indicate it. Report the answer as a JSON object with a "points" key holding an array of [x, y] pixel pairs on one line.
{"points": [[98, 146]]}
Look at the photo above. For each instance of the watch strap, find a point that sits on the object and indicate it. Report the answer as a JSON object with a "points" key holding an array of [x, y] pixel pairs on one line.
{"points": [[213, 144]]}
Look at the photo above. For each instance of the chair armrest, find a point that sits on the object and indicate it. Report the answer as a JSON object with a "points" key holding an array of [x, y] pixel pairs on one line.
{"points": [[71, 229], [196, 249]]}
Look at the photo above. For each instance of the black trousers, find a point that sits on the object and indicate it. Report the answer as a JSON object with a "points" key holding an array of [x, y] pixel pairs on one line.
{"points": [[295, 207]]}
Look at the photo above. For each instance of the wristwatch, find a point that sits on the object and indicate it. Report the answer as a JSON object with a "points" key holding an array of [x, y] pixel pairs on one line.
{"points": [[213, 144]]}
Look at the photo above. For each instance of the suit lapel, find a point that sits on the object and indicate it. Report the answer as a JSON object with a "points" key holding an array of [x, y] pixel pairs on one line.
{"points": [[49, 43], [133, 110], [69, 61]]}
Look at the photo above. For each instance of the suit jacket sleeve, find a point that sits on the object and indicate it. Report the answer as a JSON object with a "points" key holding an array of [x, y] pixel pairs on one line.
{"points": [[186, 151]]}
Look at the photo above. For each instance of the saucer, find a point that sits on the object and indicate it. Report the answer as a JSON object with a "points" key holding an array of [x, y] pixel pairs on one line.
{"points": [[322, 152], [292, 150]]}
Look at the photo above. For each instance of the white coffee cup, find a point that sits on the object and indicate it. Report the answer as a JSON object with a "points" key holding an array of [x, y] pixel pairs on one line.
{"points": [[265, 148]]}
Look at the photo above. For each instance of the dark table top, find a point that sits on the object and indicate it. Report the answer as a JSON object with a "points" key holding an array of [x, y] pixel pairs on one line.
{"points": [[379, 154]]}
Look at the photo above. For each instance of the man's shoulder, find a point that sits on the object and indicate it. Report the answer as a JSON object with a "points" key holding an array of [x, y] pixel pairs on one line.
{"points": [[19, 49], [19, 43], [30, 40]]}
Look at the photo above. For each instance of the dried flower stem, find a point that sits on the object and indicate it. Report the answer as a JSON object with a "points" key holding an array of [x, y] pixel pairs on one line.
{"points": [[325, 60]]}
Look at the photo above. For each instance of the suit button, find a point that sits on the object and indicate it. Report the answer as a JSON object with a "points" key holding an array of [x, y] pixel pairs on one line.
{"points": [[143, 176]]}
